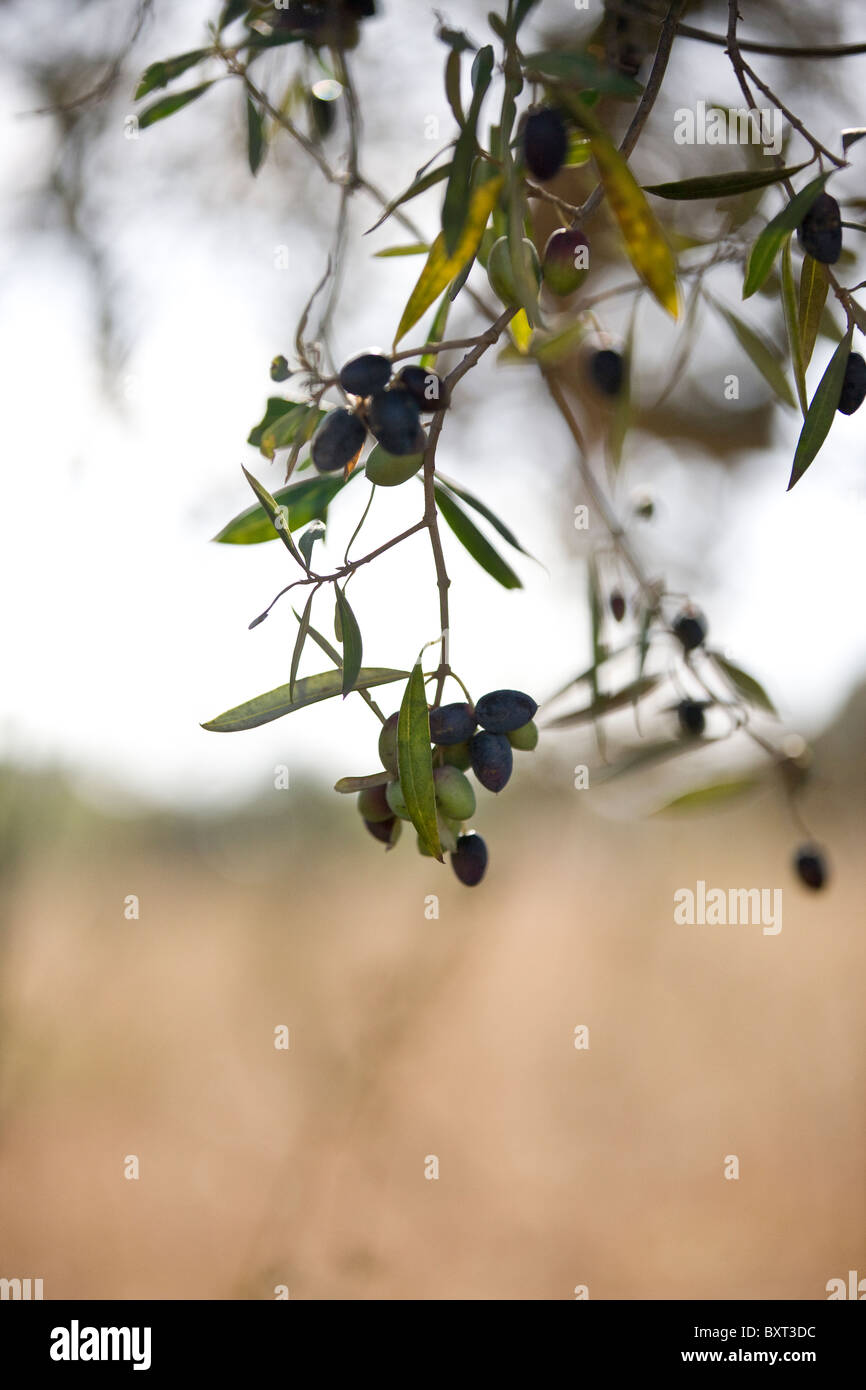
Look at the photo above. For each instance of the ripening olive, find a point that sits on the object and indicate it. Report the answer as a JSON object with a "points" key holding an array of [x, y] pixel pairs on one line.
{"points": [[386, 830], [373, 804], [364, 375], [607, 370], [280, 369], [456, 755], [452, 723], [565, 264], [469, 860], [853, 385], [691, 628], [545, 143], [454, 795], [394, 419], [811, 866], [338, 440], [820, 232], [500, 272], [503, 710], [388, 744], [428, 389], [690, 714], [492, 760], [524, 739]]}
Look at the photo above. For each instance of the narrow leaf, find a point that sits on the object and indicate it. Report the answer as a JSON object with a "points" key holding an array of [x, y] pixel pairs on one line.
{"points": [[304, 501], [420, 185], [813, 296], [452, 84], [276, 515], [479, 506], [359, 784], [255, 137], [437, 330], [277, 406], [744, 684], [308, 691], [792, 324], [160, 74], [289, 428], [767, 247], [819, 417], [414, 248], [711, 797], [721, 185], [455, 207], [316, 532], [301, 638], [415, 762], [475, 542], [581, 71], [167, 106], [622, 411], [851, 136], [762, 355], [351, 641], [605, 704]]}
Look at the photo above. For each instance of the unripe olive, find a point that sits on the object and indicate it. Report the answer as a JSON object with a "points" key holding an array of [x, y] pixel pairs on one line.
{"points": [[373, 804], [853, 385], [524, 739], [820, 232], [338, 440], [545, 143], [469, 860], [456, 755], [492, 760], [503, 710], [280, 369], [388, 831], [691, 628], [364, 375], [500, 272], [428, 389], [454, 795], [390, 470], [565, 264], [388, 744], [396, 800], [690, 714], [607, 370], [394, 419], [323, 114], [811, 866], [451, 724]]}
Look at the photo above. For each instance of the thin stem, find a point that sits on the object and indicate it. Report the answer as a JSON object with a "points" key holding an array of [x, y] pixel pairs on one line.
{"points": [[775, 50], [792, 119]]}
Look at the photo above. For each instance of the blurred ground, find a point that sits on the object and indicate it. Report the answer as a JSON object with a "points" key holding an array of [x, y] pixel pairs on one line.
{"points": [[413, 1037]]}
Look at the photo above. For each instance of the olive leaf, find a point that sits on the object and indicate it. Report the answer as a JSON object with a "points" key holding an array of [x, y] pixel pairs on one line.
{"points": [[605, 704], [301, 638], [314, 533], [474, 541], [412, 248], [256, 147], [768, 244], [167, 106], [819, 416], [622, 410], [710, 797], [351, 641], [792, 324], [359, 784], [471, 501], [302, 502], [420, 184], [455, 206], [760, 352], [721, 185], [452, 85], [415, 762], [581, 71], [744, 684], [160, 74], [812, 298], [276, 515], [308, 691]]}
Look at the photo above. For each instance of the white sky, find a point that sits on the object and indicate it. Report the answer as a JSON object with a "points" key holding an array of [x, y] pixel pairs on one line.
{"points": [[123, 627]]}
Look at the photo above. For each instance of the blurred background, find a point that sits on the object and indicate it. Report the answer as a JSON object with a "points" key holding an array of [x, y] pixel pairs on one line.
{"points": [[141, 302]]}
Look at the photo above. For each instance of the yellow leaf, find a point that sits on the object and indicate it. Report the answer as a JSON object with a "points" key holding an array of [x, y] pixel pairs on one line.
{"points": [[440, 268], [645, 242], [521, 331]]}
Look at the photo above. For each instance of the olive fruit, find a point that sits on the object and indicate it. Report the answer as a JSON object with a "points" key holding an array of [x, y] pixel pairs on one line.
{"points": [[365, 375], [428, 389], [280, 369], [559, 265], [500, 272], [390, 470], [607, 370], [388, 744], [524, 739], [820, 232], [454, 795], [617, 605], [373, 804], [811, 866], [690, 713], [545, 143], [394, 419], [338, 440], [323, 114], [691, 628], [492, 760], [504, 710], [456, 755], [853, 385], [386, 830], [396, 800], [452, 723], [469, 860]]}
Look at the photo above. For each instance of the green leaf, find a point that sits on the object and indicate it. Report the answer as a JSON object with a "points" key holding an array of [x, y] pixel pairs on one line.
{"points": [[167, 106], [415, 762], [479, 506], [551, 348], [316, 532], [598, 650], [304, 501], [455, 38], [255, 137], [276, 515], [605, 704], [359, 784], [813, 296], [521, 10], [436, 332], [351, 641], [452, 85], [721, 185], [792, 324], [475, 542], [297, 423], [160, 74], [581, 71], [762, 354], [622, 411], [231, 10], [767, 247], [308, 691], [277, 406], [420, 184], [708, 798], [414, 248], [819, 417], [303, 629], [441, 268], [744, 684], [455, 207]]}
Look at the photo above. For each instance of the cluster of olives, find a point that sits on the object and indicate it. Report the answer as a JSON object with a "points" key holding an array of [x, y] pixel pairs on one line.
{"points": [[322, 22], [390, 409], [820, 235], [481, 737]]}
